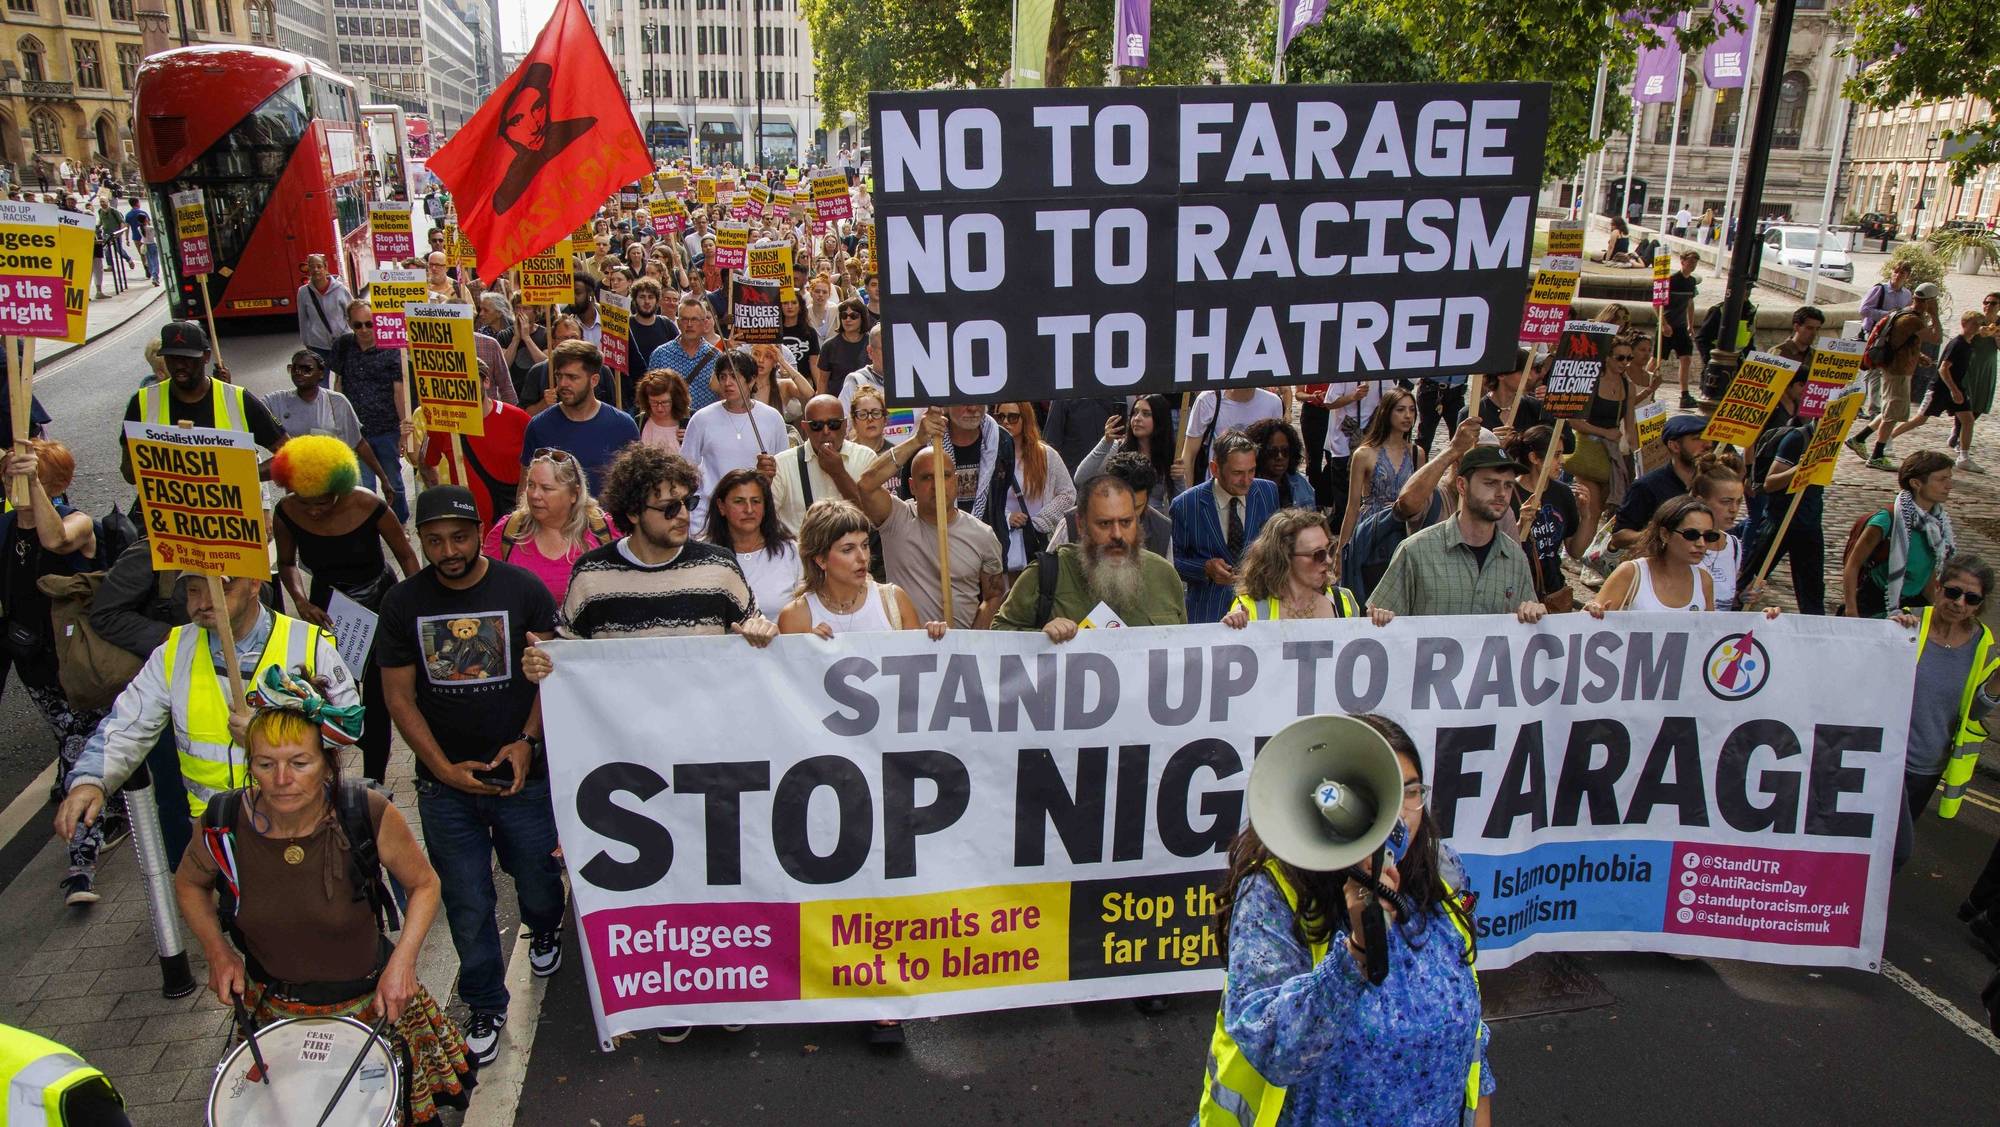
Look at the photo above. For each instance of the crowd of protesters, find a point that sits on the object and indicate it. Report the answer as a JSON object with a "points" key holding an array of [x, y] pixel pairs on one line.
{"points": [[717, 487]]}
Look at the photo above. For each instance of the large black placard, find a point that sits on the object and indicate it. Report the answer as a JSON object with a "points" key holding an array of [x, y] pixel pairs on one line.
{"points": [[1044, 244]]}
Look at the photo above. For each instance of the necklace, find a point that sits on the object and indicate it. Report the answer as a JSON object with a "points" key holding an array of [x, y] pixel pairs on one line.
{"points": [[295, 854], [845, 609]]}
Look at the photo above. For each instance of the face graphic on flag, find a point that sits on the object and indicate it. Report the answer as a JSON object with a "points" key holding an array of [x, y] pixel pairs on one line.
{"points": [[525, 126]]}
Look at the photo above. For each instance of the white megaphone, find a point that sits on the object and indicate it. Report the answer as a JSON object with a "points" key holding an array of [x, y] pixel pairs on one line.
{"points": [[1325, 793]]}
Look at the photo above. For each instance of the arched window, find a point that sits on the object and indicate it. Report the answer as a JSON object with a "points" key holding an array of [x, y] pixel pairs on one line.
{"points": [[47, 130], [1792, 93], [34, 68], [89, 69], [1689, 89], [1728, 111]]}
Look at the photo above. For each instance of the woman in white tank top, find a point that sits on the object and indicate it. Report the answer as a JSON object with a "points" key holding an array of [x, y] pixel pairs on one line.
{"points": [[1664, 572], [837, 595]]}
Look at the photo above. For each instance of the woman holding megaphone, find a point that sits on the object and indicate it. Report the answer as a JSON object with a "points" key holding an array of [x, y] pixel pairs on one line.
{"points": [[1304, 1036]]}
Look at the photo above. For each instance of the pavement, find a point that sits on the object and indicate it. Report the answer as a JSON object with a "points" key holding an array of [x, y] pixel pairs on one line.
{"points": [[1674, 1042]]}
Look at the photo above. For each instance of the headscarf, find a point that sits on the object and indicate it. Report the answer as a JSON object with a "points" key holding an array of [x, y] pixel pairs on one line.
{"points": [[1935, 526], [339, 724]]}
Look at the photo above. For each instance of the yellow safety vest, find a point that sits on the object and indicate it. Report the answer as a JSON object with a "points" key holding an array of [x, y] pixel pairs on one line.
{"points": [[210, 763], [156, 406], [1971, 732], [39, 1073], [1259, 610], [1237, 1095]]}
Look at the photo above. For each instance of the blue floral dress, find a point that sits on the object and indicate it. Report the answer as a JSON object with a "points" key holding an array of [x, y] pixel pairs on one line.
{"points": [[1348, 1052]]}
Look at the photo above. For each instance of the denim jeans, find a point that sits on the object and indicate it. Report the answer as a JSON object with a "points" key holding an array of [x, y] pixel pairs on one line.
{"points": [[386, 452], [462, 832]]}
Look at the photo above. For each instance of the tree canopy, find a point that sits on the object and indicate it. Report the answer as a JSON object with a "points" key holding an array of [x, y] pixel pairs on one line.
{"points": [[1920, 52]]}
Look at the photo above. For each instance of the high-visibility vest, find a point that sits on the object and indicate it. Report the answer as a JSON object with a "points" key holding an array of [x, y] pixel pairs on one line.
{"points": [[1971, 732], [39, 1073], [1235, 1094], [210, 763], [156, 406], [1260, 610]]}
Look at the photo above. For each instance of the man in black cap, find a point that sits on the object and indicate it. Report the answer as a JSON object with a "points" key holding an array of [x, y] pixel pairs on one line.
{"points": [[1463, 565], [449, 643], [1685, 446], [190, 394]]}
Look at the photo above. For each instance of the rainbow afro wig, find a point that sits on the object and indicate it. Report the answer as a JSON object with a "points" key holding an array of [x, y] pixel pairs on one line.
{"points": [[316, 465]]}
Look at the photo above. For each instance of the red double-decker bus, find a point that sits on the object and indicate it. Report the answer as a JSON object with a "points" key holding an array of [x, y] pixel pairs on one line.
{"points": [[273, 140]]}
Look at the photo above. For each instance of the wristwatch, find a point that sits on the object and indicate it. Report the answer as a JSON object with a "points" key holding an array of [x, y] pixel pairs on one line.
{"points": [[534, 742]]}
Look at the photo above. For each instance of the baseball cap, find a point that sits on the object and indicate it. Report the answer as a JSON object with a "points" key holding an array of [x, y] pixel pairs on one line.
{"points": [[1487, 458], [1681, 426], [1927, 292], [446, 502], [183, 338]]}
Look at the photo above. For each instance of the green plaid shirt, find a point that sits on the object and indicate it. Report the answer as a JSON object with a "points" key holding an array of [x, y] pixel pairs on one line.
{"points": [[1434, 572]]}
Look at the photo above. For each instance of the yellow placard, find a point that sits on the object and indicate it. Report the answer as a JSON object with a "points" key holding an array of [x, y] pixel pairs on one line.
{"points": [[770, 260], [704, 190], [458, 252], [388, 295], [444, 368], [549, 278], [200, 499], [760, 198], [647, 183], [1816, 465], [1834, 364], [41, 275], [672, 185], [1566, 238], [1741, 415], [830, 198], [965, 939], [732, 244], [614, 319], [1652, 420], [585, 233]]}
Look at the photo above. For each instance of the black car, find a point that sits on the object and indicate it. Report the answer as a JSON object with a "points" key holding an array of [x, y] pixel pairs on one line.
{"points": [[1876, 225]]}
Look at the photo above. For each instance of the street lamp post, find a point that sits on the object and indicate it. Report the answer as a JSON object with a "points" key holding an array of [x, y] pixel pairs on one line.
{"points": [[652, 33], [1923, 188]]}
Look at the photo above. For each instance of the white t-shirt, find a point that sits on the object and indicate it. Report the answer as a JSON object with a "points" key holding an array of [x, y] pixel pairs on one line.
{"points": [[1724, 565], [1338, 443], [772, 578], [1235, 416], [719, 440]]}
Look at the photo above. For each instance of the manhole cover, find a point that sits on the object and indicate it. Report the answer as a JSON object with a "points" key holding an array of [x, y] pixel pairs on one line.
{"points": [[1541, 984]]}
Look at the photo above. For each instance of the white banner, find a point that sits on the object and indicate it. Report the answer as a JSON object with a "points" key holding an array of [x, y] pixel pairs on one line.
{"points": [[883, 826]]}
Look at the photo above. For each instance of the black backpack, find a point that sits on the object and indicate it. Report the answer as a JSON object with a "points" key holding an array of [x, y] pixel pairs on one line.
{"points": [[1047, 570], [364, 862]]}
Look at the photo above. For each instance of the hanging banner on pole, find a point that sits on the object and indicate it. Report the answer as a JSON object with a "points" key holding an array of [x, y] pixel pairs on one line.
{"points": [[1296, 16], [1132, 36], [1835, 363], [1124, 212], [1746, 406], [1725, 62], [1031, 41], [191, 232], [1030, 826], [1657, 77], [200, 499], [391, 293], [444, 368]]}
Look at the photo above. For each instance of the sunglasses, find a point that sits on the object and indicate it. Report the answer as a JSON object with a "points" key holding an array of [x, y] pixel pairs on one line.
{"points": [[552, 454], [850, 316], [1622, 357], [1704, 535], [869, 415], [669, 508], [1007, 416], [817, 425], [1960, 594], [304, 368], [357, 326], [1317, 555]]}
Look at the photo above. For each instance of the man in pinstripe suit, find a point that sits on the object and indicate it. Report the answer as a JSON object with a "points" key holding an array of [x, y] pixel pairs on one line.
{"points": [[1215, 520]]}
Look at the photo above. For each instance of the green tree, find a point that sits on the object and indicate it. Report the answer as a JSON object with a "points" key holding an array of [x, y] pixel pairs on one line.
{"points": [[1928, 51]]}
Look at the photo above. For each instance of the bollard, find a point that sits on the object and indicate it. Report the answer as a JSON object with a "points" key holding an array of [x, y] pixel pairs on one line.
{"points": [[176, 981]]}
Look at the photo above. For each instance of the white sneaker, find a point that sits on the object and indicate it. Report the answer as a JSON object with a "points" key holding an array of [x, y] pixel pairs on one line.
{"points": [[1966, 463], [482, 1037]]}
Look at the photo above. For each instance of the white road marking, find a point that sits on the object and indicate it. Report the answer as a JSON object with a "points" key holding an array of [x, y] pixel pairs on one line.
{"points": [[1965, 1022], [498, 1096], [27, 804], [136, 322]]}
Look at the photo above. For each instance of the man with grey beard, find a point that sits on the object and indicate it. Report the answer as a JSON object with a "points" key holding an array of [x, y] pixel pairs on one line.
{"points": [[1107, 580]]}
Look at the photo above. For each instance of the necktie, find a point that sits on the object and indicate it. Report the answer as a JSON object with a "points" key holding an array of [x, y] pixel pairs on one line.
{"points": [[1235, 527]]}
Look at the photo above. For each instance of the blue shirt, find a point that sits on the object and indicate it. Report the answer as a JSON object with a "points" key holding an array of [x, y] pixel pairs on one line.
{"points": [[1346, 1051], [593, 442], [672, 356]]}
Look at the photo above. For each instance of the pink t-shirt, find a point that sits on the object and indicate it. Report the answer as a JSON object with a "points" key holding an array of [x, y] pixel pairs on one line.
{"points": [[554, 573]]}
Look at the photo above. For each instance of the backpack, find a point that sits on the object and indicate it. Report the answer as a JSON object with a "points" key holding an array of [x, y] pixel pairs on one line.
{"points": [[1764, 450], [518, 528], [1870, 597], [1047, 570], [91, 671], [1365, 557], [364, 861], [1881, 350]]}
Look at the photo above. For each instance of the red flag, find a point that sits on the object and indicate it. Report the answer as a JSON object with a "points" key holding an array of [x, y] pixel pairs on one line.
{"points": [[555, 140]]}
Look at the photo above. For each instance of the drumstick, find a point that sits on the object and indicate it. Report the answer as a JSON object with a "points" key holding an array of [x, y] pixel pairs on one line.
{"points": [[353, 1068], [260, 1073]]}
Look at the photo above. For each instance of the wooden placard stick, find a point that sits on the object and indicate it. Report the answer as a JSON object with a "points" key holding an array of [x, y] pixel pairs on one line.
{"points": [[1534, 504], [20, 398], [1778, 541], [208, 310], [1520, 389], [939, 468]]}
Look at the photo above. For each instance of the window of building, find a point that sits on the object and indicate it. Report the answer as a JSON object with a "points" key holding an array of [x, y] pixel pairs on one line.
{"points": [[21, 5], [81, 9], [1791, 120], [225, 20], [121, 10], [89, 74], [1728, 109], [33, 66], [46, 128], [200, 15], [1663, 126], [128, 64]]}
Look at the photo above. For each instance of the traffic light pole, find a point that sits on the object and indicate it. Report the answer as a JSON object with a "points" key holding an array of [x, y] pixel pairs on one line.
{"points": [[1743, 252]]}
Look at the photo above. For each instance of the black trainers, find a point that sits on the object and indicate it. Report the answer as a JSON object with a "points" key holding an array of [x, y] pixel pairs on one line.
{"points": [[1986, 933], [78, 890], [545, 952], [482, 1037]]}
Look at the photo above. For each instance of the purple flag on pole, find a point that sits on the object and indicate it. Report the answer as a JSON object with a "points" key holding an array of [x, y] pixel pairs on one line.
{"points": [[1724, 63], [1658, 78], [1132, 40], [1295, 16]]}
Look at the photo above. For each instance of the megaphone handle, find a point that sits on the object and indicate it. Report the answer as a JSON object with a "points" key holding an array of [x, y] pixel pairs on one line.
{"points": [[1375, 930]]}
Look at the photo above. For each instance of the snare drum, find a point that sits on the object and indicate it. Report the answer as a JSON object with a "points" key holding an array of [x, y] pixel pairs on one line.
{"points": [[307, 1057]]}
